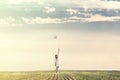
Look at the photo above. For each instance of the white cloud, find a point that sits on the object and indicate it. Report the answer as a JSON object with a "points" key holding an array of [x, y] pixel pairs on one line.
{"points": [[96, 18], [72, 11], [8, 20], [38, 20], [116, 11], [75, 19], [50, 9]]}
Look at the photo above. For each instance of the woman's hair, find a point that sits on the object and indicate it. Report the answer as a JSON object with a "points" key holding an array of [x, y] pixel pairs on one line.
{"points": [[56, 56]]}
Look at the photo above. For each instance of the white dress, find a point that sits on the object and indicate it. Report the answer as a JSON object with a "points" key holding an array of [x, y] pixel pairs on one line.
{"points": [[56, 63]]}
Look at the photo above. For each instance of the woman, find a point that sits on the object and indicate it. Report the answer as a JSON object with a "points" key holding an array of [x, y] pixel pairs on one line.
{"points": [[56, 62]]}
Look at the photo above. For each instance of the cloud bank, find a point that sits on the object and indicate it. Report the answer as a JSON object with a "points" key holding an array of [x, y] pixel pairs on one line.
{"points": [[61, 11], [39, 20]]}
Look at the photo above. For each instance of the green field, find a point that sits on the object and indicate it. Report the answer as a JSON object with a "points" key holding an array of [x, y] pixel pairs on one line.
{"points": [[63, 75]]}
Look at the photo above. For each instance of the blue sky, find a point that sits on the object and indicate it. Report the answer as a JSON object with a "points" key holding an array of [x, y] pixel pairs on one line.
{"points": [[88, 34]]}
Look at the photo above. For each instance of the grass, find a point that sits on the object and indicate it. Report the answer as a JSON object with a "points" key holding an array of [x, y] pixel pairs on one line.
{"points": [[63, 75]]}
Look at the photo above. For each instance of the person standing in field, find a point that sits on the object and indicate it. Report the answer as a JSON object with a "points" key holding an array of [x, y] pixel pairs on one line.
{"points": [[56, 62], [56, 58]]}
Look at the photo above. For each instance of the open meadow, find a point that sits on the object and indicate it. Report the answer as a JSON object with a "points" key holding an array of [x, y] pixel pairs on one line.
{"points": [[63, 75]]}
